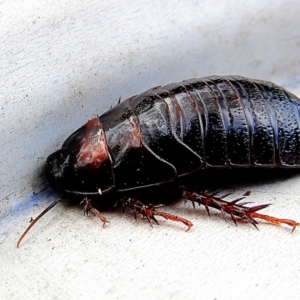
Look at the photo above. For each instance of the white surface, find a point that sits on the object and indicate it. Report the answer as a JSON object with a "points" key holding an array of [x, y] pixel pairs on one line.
{"points": [[63, 62]]}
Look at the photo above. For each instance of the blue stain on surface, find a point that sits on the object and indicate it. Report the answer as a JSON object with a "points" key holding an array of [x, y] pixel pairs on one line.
{"points": [[40, 199]]}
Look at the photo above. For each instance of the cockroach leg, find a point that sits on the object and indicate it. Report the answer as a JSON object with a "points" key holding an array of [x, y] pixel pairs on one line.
{"points": [[276, 221], [235, 209], [86, 202], [150, 211]]}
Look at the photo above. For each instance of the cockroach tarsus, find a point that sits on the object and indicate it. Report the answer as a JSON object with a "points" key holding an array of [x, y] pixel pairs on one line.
{"points": [[175, 130]]}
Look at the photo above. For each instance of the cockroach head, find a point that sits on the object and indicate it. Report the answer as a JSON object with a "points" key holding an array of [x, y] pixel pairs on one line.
{"points": [[83, 165]]}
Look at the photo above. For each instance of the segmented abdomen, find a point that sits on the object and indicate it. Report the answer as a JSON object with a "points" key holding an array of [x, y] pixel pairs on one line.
{"points": [[209, 122]]}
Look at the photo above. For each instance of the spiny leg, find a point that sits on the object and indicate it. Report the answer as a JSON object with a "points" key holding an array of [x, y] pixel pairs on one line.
{"points": [[234, 209], [150, 211], [89, 207]]}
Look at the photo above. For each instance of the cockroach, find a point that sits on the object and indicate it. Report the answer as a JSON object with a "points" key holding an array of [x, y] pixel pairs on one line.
{"points": [[173, 131]]}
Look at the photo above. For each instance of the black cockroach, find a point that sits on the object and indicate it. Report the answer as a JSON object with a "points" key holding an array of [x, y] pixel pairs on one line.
{"points": [[172, 131]]}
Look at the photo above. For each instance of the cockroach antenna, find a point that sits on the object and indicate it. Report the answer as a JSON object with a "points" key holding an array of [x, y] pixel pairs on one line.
{"points": [[36, 219]]}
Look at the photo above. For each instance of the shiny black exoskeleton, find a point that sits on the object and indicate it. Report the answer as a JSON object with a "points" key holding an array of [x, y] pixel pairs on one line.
{"points": [[174, 130]]}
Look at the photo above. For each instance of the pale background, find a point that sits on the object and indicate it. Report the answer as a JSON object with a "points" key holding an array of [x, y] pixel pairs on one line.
{"points": [[63, 62]]}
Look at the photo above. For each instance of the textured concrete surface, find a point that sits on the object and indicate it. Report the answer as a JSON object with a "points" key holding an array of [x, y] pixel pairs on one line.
{"points": [[63, 62]]}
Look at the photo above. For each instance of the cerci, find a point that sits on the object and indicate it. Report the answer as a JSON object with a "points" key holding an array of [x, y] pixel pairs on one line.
{"points": [[174, 130]]}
